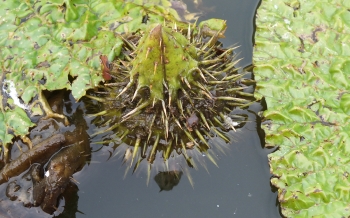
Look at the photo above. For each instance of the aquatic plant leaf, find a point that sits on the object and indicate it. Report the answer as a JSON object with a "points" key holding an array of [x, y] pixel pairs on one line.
{"points": [[177, 9], [13, 121], [302, 68], [213, 26], [52, 45]]}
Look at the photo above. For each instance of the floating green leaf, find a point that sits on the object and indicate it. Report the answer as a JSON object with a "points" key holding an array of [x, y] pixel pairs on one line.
{"points": [[52, 45], [302, 68], [14, 121]]}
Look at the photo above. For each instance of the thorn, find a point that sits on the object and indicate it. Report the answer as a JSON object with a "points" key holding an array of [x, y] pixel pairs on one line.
{"points": [[152, 154], [228, 98], [143, 154], [136, 148], [127, 42], [155, 67], [204, 89], [169, 100], [234, 77], [216, 119], [105, 130], [187, 83], [97, 114], [204, 120], [227, 52], [166, 129], [74, 180], [176, 139], [161, 43], [168, 150], [209, 74], [124, 134], [207, 94], [201, 137], [200, 72], [96, 98], [221, 135], [188, 134], [164, 109], [149, 136], [137, 165], [188, 96], [164, 83], [138, 108], [178, 123], [217, 82], [133, 97], [150, 127], [148, 50], [163, 117], [179, 105], [126, 88]]}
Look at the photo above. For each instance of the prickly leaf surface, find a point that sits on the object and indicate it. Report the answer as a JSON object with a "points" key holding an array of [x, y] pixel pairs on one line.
{"points": [[302, 68]]}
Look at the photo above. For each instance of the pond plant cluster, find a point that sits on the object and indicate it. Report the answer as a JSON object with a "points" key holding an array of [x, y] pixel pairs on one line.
{"points": [[302, 69], [166, 87], [173, 92]]}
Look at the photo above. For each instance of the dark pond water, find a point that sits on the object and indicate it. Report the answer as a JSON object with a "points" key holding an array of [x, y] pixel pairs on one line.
{"points": [[239, 187]]}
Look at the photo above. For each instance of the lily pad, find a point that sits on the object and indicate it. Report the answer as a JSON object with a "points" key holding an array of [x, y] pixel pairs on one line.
{"points": [[302, 69], [53, 45]]}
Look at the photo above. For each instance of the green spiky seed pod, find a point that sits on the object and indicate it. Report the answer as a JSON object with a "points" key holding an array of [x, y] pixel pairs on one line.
{"points": [[162, 57], [172, 93]]}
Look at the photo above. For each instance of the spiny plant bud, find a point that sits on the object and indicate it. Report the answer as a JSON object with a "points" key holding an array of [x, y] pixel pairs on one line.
{"points": [[172, 94]]}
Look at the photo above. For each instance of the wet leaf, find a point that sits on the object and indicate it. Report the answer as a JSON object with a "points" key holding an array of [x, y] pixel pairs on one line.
{"points": [[13, 121], [302, 68], [213, 26], [52, 45]]}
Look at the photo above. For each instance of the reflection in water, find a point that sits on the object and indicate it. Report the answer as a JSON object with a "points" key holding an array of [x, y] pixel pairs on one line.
{"points": [[70, 195], [28, 185], [19, 204], [21, 189], [168, 179]]}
